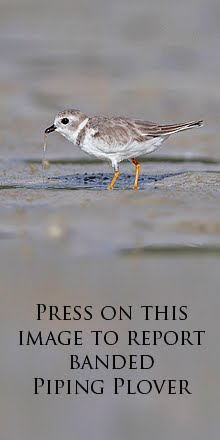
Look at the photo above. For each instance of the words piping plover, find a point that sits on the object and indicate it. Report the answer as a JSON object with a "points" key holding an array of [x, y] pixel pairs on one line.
{"points": [[114, 139]]}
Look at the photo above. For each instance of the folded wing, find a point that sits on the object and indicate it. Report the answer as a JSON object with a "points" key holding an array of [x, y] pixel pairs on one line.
{"points": [[119, 131]]}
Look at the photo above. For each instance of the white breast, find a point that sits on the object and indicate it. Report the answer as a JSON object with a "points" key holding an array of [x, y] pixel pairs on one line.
{"points": [[94, 147]]}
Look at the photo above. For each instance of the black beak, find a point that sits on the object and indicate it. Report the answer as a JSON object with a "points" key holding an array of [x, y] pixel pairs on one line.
{"points": [[50, 129]]}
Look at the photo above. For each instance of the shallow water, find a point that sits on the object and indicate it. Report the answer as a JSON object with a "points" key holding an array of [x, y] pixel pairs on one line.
{"points": [[177, 205]]}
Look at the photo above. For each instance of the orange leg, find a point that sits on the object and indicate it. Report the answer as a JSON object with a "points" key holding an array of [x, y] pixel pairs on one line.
{"points": [[138, 167], [116, 174]]}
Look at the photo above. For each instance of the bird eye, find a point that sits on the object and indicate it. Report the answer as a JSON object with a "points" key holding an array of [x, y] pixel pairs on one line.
{"points": [[65, 121]]}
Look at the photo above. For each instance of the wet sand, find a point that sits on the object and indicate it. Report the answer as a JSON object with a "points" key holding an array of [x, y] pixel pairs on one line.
{"points": [[177, 205]]}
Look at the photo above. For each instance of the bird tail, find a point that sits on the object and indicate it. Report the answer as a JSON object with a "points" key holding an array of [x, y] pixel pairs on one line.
{"points": [[169, 129], [194, 124]]}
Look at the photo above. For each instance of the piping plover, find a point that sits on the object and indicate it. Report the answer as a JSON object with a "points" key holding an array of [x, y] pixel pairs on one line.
{"points": [[114, 139]]}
